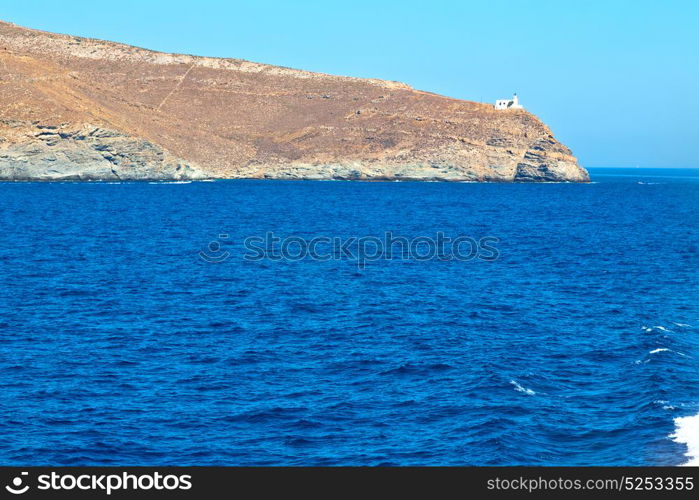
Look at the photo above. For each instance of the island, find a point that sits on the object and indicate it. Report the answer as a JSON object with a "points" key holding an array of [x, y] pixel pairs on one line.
{"points": [[81, 109]]}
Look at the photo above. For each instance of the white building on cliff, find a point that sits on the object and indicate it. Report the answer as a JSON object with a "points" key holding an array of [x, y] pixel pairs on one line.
{"points": [[508, 103]]}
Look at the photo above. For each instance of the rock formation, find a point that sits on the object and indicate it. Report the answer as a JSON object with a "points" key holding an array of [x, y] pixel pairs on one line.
{"points": [[81, 109]]}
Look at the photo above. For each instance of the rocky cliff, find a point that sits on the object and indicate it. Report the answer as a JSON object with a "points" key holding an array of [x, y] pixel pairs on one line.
{"points": [[83, 109]]}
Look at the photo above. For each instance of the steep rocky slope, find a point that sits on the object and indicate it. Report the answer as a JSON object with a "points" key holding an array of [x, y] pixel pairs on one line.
{"points": [[77, 108]]}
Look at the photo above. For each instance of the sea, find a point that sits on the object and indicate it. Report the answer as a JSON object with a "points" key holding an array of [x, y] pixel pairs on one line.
{"points": [[137, 327]]}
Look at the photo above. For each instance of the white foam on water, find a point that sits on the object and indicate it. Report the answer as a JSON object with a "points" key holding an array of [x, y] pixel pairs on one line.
{"points": [[665, 349], [170, 182], [682, 325], [687, 433], [662, 328], [519, 388]]}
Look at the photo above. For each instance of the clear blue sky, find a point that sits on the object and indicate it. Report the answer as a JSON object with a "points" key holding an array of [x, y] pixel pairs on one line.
{"points": [[616, 80]]}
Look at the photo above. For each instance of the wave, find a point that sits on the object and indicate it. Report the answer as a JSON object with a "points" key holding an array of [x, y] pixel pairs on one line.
{"points": [[687, 433], [420, 369], [664, 404], [520, 388], [659, 350], [660, 328], [665, 349], [657, 328]]}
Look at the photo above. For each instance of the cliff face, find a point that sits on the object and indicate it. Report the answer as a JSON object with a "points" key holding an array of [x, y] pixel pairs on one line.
{"points": [[77, 108]]}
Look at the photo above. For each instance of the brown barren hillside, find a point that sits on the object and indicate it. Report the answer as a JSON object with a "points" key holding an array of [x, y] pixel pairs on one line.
{"points": [[84, 109]]}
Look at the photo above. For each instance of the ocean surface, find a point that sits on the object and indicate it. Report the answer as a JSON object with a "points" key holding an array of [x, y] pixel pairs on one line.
{"points": [[134, 332]]}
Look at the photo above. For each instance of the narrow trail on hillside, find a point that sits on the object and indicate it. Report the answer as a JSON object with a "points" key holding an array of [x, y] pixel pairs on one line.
{"points": [[176, 88]]}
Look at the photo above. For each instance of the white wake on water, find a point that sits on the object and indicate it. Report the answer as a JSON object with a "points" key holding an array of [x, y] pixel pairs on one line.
{"points": [[687, 432]]}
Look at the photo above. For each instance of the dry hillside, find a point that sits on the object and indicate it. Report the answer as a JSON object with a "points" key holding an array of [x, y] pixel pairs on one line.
{"points": [[78, 108]]}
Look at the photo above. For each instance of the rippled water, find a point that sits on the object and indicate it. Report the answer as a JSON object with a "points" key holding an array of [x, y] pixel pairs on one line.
{"points": [[579, 345]]}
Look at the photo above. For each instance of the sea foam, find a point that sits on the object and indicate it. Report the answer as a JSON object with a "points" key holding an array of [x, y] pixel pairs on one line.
{"points": [[520, 388], [687, 432]]}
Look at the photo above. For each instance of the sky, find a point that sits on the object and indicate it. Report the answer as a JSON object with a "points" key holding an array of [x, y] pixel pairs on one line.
{"points": [[616, 81]]}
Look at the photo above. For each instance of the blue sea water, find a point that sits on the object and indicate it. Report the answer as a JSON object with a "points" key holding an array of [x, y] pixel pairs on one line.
{"points": [[579, 345]]}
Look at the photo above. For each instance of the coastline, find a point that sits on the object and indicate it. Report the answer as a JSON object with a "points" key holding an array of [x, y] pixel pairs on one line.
{"points": [[85, 108]]}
